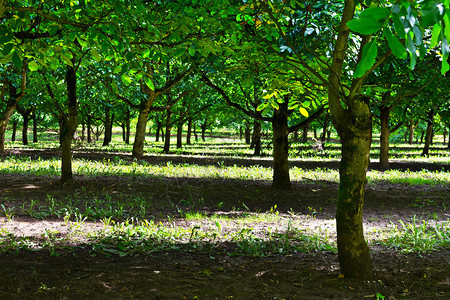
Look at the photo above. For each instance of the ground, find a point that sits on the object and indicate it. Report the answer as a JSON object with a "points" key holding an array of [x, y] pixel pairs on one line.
{"points": [[84, 273]]}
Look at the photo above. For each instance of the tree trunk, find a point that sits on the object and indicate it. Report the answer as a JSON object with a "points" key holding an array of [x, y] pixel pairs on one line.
{"points": [[35, 123], [189, 132], [247, 133], [429, 133], [203, 127], [124, 131], [69, 126], [280, 127], [448, 138], [14, 131], [180, 134], [384, 137], [14, 98], [256, 138], [194, 126], [158, 130], [168, 129], [26, 120], [305, 134], [107, 124], [141, 126], [355, 131], [411, 128]]}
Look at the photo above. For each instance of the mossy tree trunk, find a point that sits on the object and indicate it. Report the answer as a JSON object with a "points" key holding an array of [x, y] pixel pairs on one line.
{"points": [[355, 131], [69, 126], [281, 179], [353, 122]]}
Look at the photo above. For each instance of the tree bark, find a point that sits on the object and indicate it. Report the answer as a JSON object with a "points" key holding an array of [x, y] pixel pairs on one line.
{"points": [[256, 138], [247, 133], [281, 179], [194, 126], [168, 129], [14, 131], [429, 133], [411, 128], [108, 127], [14, 98], [354, 126], [35, 124], [26, 120], [158, 130], [204, 127], [180, 135], [305, 134], [355, 131], [384, 137], [88, 128], [69, 126]]}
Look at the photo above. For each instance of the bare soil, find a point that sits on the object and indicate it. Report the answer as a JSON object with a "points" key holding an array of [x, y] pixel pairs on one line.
{"points": [[83, 274]]}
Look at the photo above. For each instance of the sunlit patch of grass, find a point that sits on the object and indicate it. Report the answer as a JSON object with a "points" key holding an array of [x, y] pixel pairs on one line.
{"points": [[416, 237], [423, 177]]}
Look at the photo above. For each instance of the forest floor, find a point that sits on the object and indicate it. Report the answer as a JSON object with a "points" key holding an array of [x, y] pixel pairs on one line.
{"points": [[82, 273]]}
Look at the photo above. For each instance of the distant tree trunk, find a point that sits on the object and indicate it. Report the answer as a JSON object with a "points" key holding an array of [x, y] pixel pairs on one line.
{"points": [[158, 130], [241, 132], [296, 136], [429, 133], [124, 131], [324, 130], [189, 132], [305, 134], [14, 130], [11, 103], [35, 127], [248, 132], [281, 179], [168, 129], [26, 120], [204, 126], [411, 128], [384, 137], [256, 138], [69, 127], [422, 136], [194, 126], [180, 135], [445, 135], [315, 133], [108, 127]]}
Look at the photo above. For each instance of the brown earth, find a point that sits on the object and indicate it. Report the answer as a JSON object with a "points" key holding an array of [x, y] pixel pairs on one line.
{"points": [[83, 274]]}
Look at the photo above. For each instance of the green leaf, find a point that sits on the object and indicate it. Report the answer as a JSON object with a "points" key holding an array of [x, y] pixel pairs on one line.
{"points": [[148, 81], [262, 106], [66, 60], [115, 88], [369, 55], [432, 13], [447, 25], [96, 55], [364, 26], [399, 28], [33, 66], [126, 79], [17, 60], [275, 105], [191, 51], [445, 66], [304, 112], [6, 59], [7, 48], [376, 13], [397, 48], [435, 35], [412, 51]]}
